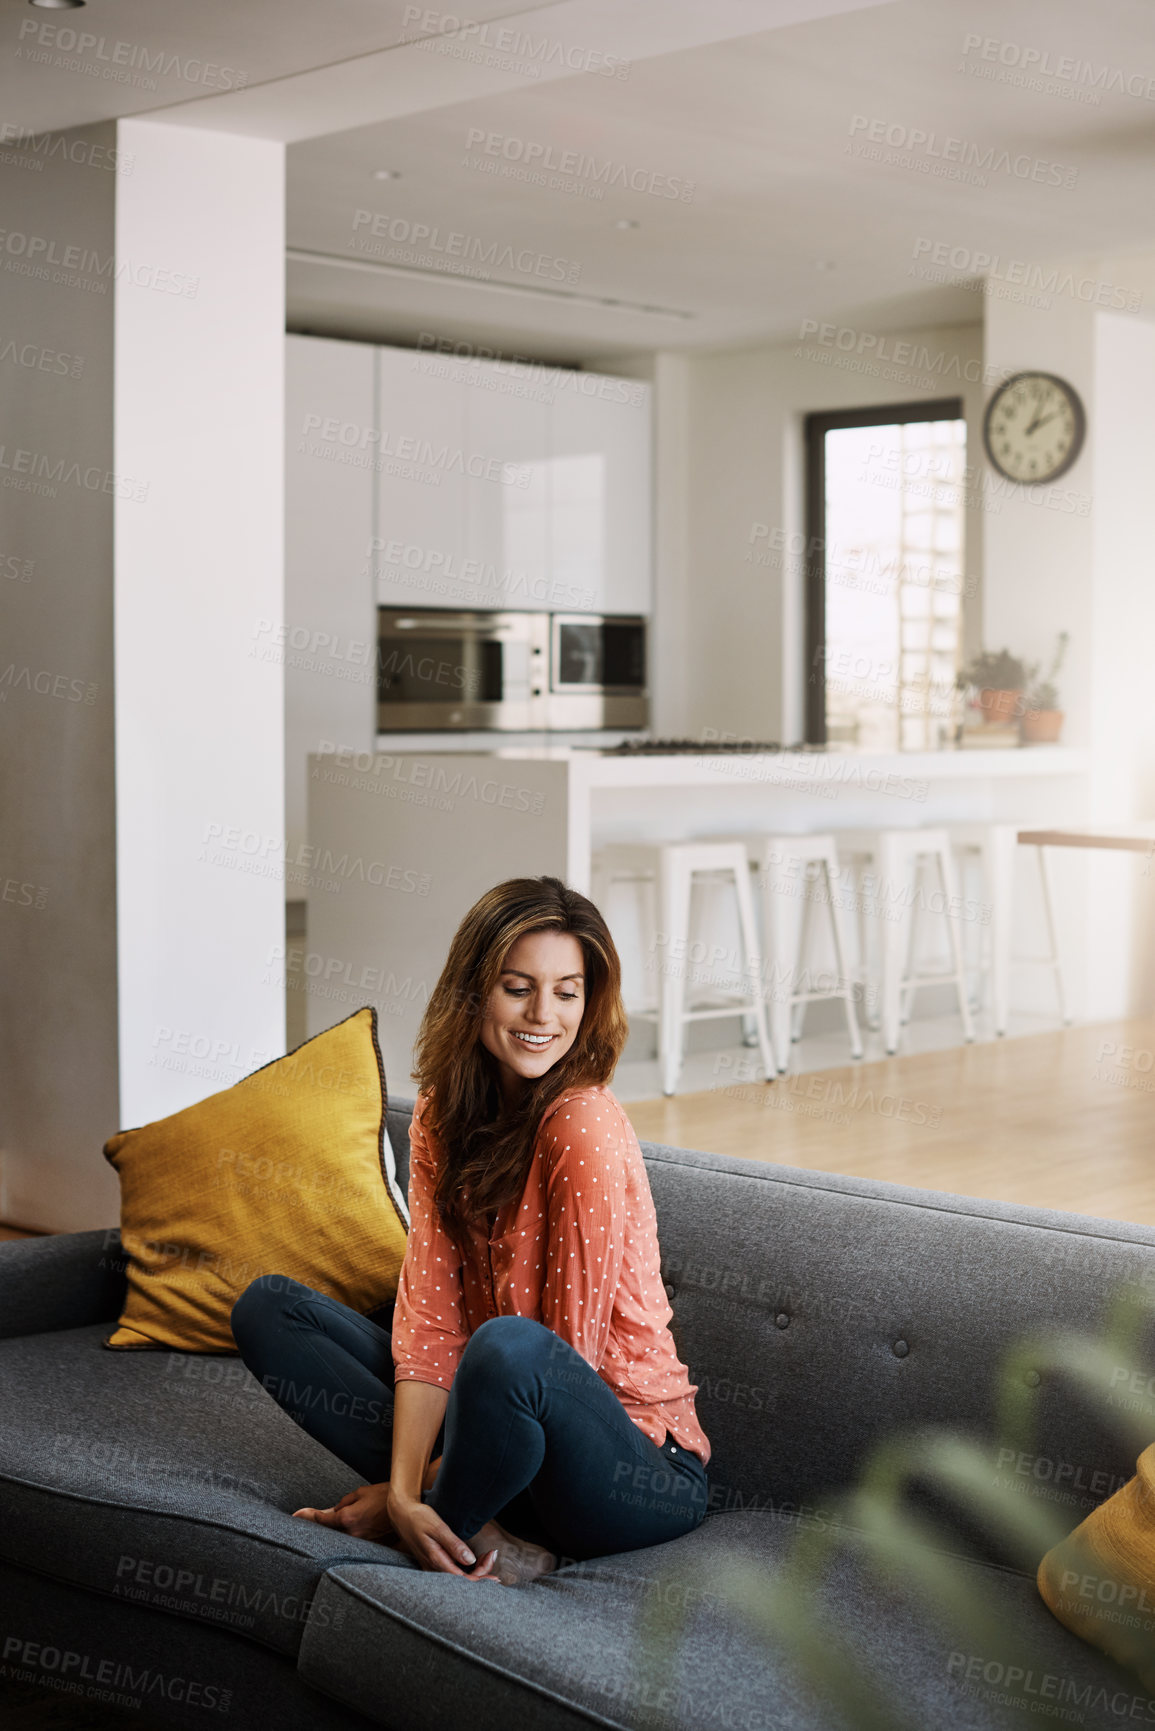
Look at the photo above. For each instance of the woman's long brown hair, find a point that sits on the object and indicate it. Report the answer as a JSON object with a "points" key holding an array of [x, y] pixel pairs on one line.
{"points": [[486, 1150]]}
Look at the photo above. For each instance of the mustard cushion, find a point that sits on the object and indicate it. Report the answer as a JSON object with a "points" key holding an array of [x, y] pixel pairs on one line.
{"points": [[1100, 1582], [289, 1172]]}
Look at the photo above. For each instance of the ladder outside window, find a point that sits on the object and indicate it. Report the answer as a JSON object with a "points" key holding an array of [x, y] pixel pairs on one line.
{"points": [[886, 574], [931, 579]]}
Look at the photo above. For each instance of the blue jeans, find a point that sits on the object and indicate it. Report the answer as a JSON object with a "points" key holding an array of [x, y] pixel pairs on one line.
{"points": [[532, 1436]]}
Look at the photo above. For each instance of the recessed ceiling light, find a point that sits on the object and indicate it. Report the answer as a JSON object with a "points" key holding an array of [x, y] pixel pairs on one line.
{"points": [[627, 222], [386, 174], [58, 5]]}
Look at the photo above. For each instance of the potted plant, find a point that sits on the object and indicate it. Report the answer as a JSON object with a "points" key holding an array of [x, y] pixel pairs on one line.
{"points": [[999, 678], [1042, 720]]}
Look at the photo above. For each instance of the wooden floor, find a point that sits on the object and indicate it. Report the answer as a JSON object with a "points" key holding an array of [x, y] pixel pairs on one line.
{"points": [[1059, 1120]]}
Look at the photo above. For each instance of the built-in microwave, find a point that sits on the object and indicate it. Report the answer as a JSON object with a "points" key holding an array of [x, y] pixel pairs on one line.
{"points": [[510, 672], [597, 670]]}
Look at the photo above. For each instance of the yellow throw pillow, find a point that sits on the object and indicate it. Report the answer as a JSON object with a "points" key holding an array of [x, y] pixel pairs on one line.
{"points": [[1100, 1582], [289, 1172]]}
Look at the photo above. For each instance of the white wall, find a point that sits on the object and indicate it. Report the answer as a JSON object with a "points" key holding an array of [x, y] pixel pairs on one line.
{"points": [[199, 721], [743, 669]]}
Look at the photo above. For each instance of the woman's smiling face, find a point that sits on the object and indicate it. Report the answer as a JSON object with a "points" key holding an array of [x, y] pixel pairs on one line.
{"points": [[535, 1010]]}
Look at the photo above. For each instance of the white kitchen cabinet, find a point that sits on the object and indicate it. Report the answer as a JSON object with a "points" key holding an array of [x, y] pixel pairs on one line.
{"points": [[328, 636], [600, 508], [543, 501], [507, 493], [420, 534]]}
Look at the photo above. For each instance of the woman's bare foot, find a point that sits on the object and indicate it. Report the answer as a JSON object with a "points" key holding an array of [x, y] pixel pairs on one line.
{"points": [[518, 1561]]}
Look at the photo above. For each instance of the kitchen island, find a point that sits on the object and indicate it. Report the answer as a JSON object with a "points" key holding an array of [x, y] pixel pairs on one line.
{"points": [[402, 843]]}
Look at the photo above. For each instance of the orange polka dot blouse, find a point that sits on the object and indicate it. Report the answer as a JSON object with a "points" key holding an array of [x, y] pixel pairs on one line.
{"points": [[578, 1252]]}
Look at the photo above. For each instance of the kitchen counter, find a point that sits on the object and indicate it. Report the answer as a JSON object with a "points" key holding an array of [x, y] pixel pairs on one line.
{"points": [[404, 841], [601, 766]]}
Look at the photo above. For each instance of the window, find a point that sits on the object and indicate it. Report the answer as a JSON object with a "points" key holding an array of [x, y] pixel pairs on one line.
{"points": [[885, 577]]}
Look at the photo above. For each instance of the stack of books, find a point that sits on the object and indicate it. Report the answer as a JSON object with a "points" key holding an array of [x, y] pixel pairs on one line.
{"points": [[988, 735]]}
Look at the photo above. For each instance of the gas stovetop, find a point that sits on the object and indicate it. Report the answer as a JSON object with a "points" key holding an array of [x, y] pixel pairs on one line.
{"points": [[700, 747]]}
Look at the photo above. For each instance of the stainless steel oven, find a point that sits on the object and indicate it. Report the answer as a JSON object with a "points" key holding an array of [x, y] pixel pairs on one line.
{"points": [[440, 669], [597, 670]]}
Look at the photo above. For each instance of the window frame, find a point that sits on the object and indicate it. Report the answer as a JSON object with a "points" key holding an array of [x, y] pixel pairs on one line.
{"points": [[815, 427]]}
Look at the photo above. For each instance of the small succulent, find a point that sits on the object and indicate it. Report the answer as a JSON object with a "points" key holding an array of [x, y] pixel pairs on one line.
{"points": [[1044, 693]]}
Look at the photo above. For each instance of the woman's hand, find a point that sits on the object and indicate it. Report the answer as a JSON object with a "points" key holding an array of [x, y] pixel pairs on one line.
{"points": [[433, 1545], [364, 1513], [418, 1414]]}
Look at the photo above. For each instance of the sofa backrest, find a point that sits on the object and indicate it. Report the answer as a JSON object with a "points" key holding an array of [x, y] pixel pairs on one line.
{"points": [[821, 1314]]}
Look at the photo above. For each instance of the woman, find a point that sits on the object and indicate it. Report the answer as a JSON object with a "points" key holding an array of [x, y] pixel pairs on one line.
{"points": [[530, 1327]]}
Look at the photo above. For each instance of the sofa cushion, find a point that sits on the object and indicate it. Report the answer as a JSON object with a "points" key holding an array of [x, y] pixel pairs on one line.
{"points": [[167, 1479], [820, 1314], [290, 1171], [569, 1650], [63, 1280], [397, 1120]]}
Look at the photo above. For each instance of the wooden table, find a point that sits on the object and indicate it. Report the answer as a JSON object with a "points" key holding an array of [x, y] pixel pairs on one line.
{"points": [[1124, 837], [1119, 838]]}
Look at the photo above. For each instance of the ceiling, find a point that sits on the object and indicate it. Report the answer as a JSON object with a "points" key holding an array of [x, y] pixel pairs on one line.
{"points": [[780, 215], [248, 42], [761, 127]]}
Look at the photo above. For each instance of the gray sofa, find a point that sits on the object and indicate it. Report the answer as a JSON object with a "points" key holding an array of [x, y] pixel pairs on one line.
{"points": [[148, 1552]]}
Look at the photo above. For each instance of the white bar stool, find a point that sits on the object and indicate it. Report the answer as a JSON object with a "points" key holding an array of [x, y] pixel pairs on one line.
{"points": [[805, 866], [993, 847], [1052, 960], [674, 869], [903, 860]]}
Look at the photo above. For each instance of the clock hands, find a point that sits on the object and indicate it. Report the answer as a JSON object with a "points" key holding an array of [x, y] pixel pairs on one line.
{"points": [[1033, 427]]}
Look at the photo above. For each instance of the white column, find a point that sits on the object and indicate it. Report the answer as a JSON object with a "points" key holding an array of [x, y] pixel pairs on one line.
{"points": [[1121, 946], [1037, 559], [58, 1055], [199, 407], [1038, 541], [1073, 556], [670, 686]]}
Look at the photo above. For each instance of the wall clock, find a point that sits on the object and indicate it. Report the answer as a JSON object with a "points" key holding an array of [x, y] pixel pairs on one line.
{"points": [[1034, 426]]}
